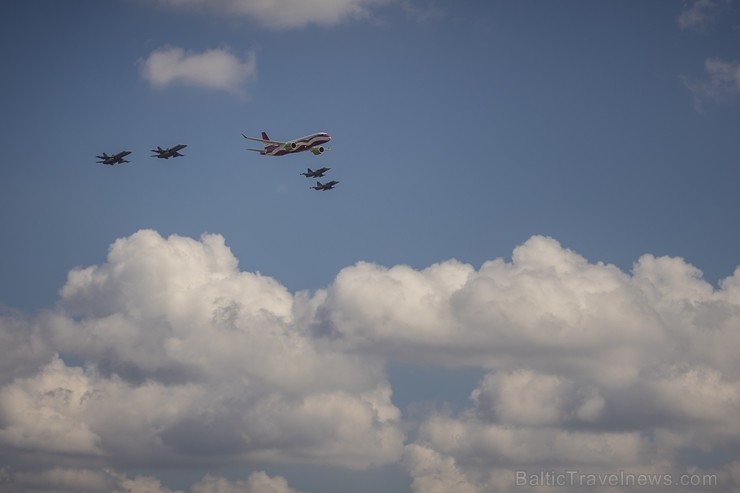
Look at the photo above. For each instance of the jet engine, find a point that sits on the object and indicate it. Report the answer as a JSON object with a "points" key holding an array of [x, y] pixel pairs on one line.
{"points": [[290, 146], [317, 150]]}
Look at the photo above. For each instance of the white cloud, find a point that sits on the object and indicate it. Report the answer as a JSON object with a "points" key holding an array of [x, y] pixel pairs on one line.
{"points": [[189, 360], [434, 473], [482, 451], [284, 14], [23, 347], [699, 15], [591, 367], [549, 307], [523, 397], [59, 479], [258, 482], [216, 69], [472, 440], [46, 412], [721, 84]]}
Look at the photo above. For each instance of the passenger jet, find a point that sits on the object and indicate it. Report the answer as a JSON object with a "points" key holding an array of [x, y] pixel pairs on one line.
{"points": [[314, 143]]}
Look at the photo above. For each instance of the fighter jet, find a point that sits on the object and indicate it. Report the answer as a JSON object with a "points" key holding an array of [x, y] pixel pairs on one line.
{"points": [[114, 159], [168, 153], [315, 174], [324, 186], [314, 143]]}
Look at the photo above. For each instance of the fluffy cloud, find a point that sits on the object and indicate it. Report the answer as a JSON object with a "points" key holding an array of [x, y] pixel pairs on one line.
{"points": [[433, 473], [283, 14], [189, 359], [168, 354], [23, 347], [590, 366], [548, 309], [524, 397], [523, 422], [44, 412], [212, 69]]}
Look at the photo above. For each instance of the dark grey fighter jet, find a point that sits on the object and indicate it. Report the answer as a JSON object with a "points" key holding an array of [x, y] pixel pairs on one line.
{"points": [[315, 174], [168, 153], [324, 186], [114, 159]]}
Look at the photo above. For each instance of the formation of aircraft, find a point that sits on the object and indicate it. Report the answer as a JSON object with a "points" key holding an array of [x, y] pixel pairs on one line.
{"points": [[313, 143], [315, 174], [168, 153], [118, 158], [113, 159]]}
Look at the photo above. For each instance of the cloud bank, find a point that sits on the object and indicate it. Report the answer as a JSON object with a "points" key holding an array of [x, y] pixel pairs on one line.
{"points": [[169, 355], [216, 69], [283, 14]]}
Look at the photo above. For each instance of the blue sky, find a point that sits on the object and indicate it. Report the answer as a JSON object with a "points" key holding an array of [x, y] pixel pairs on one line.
{"points": [[598, 136]]}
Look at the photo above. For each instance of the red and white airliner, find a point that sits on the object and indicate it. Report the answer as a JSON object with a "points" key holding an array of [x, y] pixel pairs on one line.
{"points": [[314, 143]]}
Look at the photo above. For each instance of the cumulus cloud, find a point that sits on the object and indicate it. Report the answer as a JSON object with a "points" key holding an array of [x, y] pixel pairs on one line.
{"points": [[284, 14], [23, 347], [524, 397], [512, 429], [168, 354], [216, 69], [590, 367], [433, 473], [189, 360], [549, 307], [44, 412]]}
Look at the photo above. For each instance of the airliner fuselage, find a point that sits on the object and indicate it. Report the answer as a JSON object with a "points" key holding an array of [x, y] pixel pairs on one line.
{"points": [[314, 143]]}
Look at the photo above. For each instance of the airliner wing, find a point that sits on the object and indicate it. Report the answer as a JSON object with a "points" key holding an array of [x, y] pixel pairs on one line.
{"points": [[264, 141]]}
